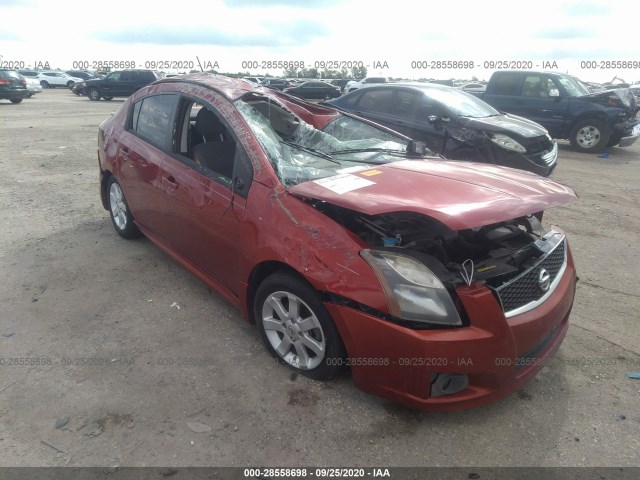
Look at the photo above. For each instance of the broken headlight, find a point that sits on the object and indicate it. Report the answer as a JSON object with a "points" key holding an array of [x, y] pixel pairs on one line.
{"points": [[505, 141], [413, 291]]}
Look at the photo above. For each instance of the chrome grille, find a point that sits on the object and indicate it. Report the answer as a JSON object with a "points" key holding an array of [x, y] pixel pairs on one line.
{"points": [[524, 293], [551, 156]]}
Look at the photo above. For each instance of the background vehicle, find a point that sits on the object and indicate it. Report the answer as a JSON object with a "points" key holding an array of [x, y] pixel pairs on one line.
{"points": [[455, 124], [339, 82], [254, 80], [120, 83], [53, 79], [354, 85], [341, 241], [314, 90], [277, 83], [473, 87], [566, 108], [13, 86], [33, 86], [84, 75]]}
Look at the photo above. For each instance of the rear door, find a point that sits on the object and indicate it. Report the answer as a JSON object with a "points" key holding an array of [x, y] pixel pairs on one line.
{"points": [[141, 79], [142, 151]]}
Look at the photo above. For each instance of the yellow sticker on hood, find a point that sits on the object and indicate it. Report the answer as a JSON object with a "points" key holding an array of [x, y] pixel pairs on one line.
{"points": [[370, 173]]}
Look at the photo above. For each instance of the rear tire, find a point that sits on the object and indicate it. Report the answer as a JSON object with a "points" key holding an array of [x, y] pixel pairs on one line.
{"points": [[45, 84], [15, 100], [590, 136], [119, 211]]}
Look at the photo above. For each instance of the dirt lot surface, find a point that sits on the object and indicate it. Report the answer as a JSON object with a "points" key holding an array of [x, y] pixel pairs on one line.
{"points": [[98, 318]]}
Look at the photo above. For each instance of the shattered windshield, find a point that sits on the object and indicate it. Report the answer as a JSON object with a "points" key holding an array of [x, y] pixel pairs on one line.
{"points": [[300, 152], [461, 103], [573, 86]]}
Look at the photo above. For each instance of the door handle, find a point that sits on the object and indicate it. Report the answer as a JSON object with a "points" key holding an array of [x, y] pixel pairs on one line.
{"points": [[170, 182]]}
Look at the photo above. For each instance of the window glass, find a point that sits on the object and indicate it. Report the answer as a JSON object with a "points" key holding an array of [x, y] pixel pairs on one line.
{"points": [[303, 153], [537, 86], [115, 76], [573, 86], [407, 103], [154, 119], [126, 76], [506, 83], [377, 100]]}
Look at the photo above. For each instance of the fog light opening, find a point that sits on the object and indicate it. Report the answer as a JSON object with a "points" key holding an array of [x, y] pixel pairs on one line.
{"points": [[448, 383]]}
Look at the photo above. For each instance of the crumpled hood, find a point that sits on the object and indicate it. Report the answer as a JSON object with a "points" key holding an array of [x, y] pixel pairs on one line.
{"points": [[506, 123], [460, 195], [619, 97]]}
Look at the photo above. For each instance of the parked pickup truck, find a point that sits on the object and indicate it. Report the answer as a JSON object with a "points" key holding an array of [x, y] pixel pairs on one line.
{"points": [[565, 107]]}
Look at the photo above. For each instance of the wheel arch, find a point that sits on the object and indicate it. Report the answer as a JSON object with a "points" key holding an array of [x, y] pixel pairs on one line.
{"points": [[259, 273], [104, 181], [596, 115]]}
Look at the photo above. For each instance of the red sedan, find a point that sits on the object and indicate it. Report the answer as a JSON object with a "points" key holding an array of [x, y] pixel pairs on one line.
{"points": [[346, 243]]}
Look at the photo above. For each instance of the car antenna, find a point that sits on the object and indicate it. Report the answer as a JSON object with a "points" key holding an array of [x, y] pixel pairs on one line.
{"points": [[199, 64]]}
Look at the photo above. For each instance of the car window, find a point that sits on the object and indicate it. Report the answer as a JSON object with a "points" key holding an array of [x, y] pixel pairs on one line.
{"points": [[377, 100], [506, 83], [152, 119], [536, 85], [407, 102], [114, 77], [573, 86], [127, 76], [145, 77], [207, 144]]}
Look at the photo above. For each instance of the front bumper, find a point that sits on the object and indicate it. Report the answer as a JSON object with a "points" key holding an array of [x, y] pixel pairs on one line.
{"points": [[541, 163], [630, 137], [498, 355]]}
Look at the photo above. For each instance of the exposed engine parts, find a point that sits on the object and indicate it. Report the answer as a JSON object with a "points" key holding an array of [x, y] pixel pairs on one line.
{"points": [[493, 253]]}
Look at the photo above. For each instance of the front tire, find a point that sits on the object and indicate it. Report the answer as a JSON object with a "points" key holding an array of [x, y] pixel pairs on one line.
{"points": [[297, 328], [94, 94], [70, 84], [119, 211], [15, 100], [44, 84], [590, 136]]}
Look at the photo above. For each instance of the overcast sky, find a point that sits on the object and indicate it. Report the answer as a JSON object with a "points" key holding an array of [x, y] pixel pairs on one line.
{"points": [[394, 31]]}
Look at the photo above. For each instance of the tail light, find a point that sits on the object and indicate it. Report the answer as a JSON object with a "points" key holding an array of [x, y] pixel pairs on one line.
{"points": [[4, 81]]}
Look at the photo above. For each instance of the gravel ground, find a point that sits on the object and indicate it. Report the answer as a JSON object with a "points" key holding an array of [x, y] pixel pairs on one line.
{"points": [[73, 288]]}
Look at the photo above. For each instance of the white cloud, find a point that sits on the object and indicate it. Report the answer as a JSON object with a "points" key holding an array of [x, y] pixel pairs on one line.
{"points": [[231, 32]]}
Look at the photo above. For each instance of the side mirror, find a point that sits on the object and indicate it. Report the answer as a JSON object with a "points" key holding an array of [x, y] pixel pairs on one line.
{"points": [[554, 92], [433, 119], [417, 148]]}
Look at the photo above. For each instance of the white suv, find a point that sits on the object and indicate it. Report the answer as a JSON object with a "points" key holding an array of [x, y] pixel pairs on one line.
{"points": [[52, 79]]}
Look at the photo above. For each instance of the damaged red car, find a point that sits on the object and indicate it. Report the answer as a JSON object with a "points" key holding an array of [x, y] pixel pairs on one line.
{"points": [[433, 281]]}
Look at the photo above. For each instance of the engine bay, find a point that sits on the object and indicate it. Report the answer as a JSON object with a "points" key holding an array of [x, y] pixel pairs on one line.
{"points": [[492, 253]]}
